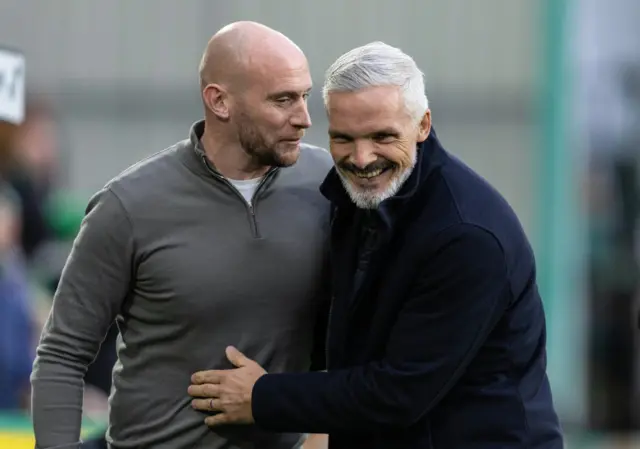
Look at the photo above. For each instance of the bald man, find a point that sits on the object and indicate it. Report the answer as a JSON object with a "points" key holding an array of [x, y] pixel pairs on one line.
{"points": [[219, 239]]}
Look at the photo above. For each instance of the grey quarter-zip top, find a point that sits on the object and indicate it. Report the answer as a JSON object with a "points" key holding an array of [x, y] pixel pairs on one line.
{"points": [[172, 252]]}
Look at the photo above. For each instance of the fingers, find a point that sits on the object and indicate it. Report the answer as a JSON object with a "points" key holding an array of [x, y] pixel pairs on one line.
{"points": [[207, 377], [207, 405], [236, 357], [216, 420], [204, 391]]}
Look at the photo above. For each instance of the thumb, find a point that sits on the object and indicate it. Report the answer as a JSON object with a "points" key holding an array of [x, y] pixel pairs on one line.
{"points": [[236, 357]]}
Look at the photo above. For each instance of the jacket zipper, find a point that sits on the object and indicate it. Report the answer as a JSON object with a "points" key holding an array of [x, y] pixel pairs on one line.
{"points": [[251, 208]]}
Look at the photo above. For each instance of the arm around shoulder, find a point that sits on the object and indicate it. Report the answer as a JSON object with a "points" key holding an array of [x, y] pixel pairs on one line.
{"points": [[93, 285]]}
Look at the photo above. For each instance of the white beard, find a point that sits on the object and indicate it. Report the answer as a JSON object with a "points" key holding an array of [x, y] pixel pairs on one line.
{"points": [[365, 199]]}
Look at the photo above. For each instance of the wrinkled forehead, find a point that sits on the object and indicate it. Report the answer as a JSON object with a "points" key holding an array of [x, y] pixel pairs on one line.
{"points": [[366, 110]]}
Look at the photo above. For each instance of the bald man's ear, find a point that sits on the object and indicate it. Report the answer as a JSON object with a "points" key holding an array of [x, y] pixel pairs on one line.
{"points": [[216, 99]]}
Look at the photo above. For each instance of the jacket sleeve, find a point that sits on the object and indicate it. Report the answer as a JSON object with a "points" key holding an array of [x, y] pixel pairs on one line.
{"points": [[462, 293], [94, 283]]}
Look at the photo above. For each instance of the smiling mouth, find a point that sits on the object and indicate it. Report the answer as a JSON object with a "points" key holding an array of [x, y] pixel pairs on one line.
{"points": [[370, 174]]}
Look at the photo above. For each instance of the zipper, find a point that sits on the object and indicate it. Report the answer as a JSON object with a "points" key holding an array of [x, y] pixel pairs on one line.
{"points": [[254, 201], [251, 208]]}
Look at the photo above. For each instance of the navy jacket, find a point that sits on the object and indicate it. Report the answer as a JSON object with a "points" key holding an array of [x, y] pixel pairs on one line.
{"points": [[437, 332]]}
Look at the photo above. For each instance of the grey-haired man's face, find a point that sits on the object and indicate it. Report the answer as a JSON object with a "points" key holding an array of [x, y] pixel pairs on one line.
{"points": [[373, 142]]}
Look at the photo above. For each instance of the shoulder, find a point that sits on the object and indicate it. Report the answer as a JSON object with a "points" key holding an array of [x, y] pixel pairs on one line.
{"points": [[315, 156], [147, 177], [475, 199], [460, 198], [137, 184], [315, 151], [150, 167], [312, 165]]}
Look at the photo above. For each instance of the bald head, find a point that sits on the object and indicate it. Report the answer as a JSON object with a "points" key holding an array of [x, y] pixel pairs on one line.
{"points": [[243, 49], [255, 84]]}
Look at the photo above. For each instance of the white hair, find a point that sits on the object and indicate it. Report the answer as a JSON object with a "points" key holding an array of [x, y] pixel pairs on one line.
{"points": [[378, 64], [367, 199]]}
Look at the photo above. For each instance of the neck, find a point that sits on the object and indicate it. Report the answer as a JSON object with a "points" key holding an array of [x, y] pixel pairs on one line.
{"points": [[228, 157]]}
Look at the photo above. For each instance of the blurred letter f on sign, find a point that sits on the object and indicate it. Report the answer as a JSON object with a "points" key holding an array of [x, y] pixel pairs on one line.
{"points": [[11, 86]]}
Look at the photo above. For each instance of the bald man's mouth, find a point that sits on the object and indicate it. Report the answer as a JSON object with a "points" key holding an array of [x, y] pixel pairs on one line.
{"points": [[292, 140]]}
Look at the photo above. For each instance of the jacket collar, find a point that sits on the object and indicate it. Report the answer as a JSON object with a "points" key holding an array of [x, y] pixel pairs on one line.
{"points": [[429, 157], [192, 153]]}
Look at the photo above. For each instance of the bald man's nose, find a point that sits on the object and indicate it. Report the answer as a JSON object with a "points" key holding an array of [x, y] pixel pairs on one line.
{"points": [[301, 117]]}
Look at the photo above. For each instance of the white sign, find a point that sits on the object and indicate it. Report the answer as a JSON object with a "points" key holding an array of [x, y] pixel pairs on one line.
{"points": [[12, 90]]}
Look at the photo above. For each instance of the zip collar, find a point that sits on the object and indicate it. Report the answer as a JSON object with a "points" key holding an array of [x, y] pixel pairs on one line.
{"points": [[195, 158]]}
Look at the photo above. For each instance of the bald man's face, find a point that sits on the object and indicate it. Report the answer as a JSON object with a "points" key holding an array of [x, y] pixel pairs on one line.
{"points": [[270, 111]]}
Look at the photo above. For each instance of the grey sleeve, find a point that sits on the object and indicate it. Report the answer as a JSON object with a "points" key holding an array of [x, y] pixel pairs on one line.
{"points": [[94, 283]]}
